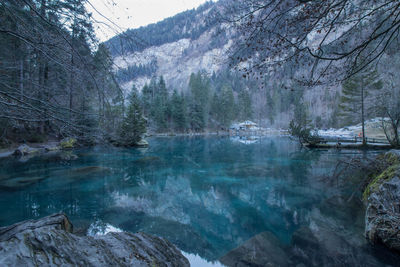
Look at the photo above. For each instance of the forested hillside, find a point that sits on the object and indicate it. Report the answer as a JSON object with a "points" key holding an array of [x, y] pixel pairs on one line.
{"points": [[221, 41], [186, 25], [200, 41], [200, 70], [56, 79]]}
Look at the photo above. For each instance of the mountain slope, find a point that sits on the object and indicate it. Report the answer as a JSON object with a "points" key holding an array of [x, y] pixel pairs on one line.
{"points": [[196, 40], [175, 47]]}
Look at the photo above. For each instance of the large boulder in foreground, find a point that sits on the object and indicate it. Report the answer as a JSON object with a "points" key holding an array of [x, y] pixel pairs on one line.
{"points": [[382, 218], [50, 242]]}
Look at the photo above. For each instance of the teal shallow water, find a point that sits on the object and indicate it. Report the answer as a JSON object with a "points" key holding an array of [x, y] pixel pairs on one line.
{"points": [[207, 195]]}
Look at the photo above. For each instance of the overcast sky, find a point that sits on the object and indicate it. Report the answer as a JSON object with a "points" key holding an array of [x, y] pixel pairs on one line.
{"points": [[134, 13]]}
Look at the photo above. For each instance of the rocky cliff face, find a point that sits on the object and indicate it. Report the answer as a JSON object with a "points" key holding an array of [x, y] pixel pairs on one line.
{"points": [[382, 219], [50, 242], [186, 43]]}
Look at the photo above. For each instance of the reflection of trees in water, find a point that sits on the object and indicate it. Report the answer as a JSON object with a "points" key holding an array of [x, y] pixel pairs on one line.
{"points": [[207, 195], [222, 216], [229, 213], [302, 162]]}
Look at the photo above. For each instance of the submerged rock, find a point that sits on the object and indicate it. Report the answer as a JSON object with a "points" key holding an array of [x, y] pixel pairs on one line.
{"points": [[146, 160], [50, 242], [19, 182], [129, 143], [83, 172], [263, 249]]}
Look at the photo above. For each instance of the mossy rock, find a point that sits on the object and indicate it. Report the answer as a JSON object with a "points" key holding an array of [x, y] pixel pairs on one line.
{"points": [[390, 158], [68, 143], [386, 175]]}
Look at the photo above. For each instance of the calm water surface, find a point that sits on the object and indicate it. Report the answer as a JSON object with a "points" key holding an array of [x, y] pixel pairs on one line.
{"points": [[207, 195]]}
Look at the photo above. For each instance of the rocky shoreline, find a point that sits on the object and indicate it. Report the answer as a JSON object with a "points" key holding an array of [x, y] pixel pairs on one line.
{"points": [[27, 151], [382, 198], [50, 241]]}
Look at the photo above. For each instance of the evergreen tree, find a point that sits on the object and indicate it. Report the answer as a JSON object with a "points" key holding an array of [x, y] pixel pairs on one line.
{"points": [[199, 105], [50, 71], [245, 107], [226, 107], [161, 108], [271, 108], [147, 99], [178, 111], [88, 121], [355, 92], [215, 109], [300, 125], [197, 122], [134, 125]]}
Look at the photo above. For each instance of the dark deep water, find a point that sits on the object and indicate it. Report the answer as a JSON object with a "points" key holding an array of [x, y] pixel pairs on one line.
{"points": [[207, 195]]}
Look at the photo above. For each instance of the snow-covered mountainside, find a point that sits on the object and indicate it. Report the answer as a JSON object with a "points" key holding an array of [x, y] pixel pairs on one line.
{"points": [[186, 43], [176, 61], [198, 40]]}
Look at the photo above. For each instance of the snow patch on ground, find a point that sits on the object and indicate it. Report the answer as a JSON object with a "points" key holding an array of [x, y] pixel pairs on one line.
{"points": [[373, 129]]}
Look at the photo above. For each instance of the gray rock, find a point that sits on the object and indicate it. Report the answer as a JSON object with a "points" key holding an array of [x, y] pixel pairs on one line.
{"points": [[142, 143], [304, 237], [263, 249], [24, 150], [50, 148], [50, 242], [382, 218]]}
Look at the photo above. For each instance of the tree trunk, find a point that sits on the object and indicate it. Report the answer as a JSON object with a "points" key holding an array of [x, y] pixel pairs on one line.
{"points": [[395, 125], [21, 80], [362, 113], [71, 82]]}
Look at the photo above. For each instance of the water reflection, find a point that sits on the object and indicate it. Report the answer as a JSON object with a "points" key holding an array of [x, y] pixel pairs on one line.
{"points": [[206, 195]]}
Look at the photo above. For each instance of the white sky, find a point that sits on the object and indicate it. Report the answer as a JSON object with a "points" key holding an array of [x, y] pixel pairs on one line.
{"points": [[134, 13]]}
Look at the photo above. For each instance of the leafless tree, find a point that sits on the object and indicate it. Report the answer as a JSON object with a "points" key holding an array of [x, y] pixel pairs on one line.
{"points": [[54, 76], [332, 39]]}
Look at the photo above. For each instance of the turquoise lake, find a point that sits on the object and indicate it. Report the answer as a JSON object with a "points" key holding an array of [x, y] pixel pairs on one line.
{"points": [[207, 195]]}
